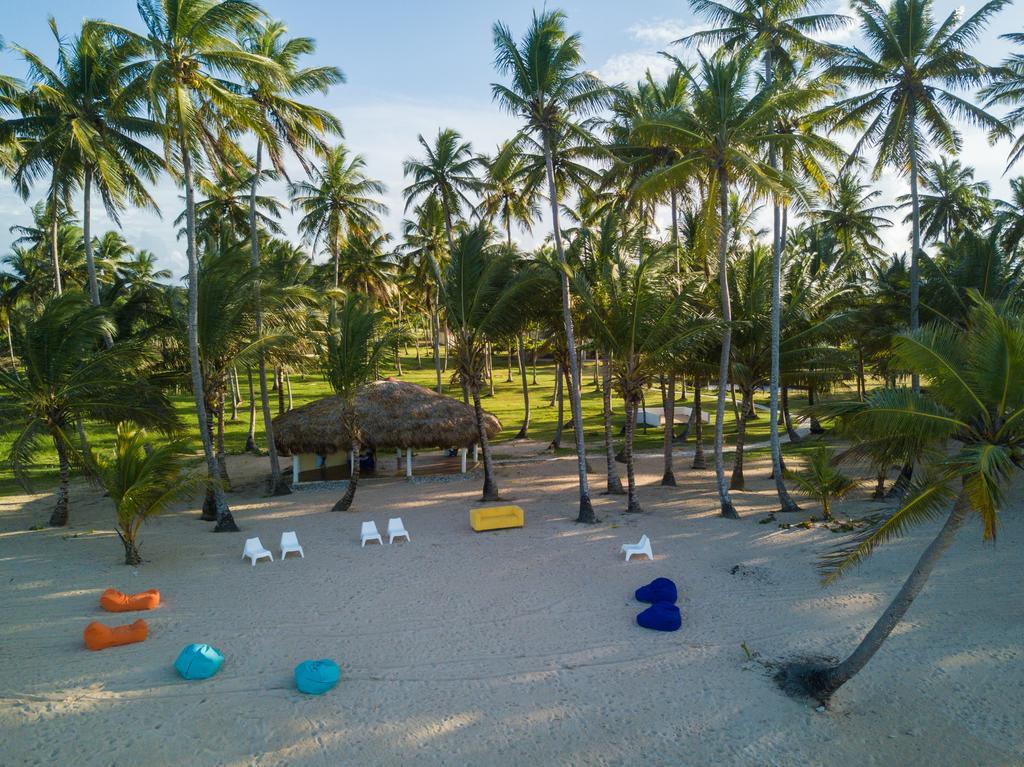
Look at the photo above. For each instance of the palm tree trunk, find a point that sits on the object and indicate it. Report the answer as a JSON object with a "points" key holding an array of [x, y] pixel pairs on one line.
{"points": [[10, 340], [668, 477], [90, 265], [279, 375], [727, 508], [788, 418], [560, 401], [915, 209], [525, 429], [786, 502], [222, 465], [416, 341], [821, 682], [490, 485], [225, 521], [815, 425], [250, 439], [54, 249], [435, 329], [59, 517], [353, 481], [698, 429], [632, 504], [738, 481], [586, 512], [614, 484], [132, 556], [534, 358], [288, 387]]}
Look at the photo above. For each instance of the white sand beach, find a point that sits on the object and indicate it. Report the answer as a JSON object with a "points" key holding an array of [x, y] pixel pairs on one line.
{"points": [[516, 647]]}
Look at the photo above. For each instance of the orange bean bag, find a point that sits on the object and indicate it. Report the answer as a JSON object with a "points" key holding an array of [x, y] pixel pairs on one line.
{"points": [[98, 636], [114, 601]]}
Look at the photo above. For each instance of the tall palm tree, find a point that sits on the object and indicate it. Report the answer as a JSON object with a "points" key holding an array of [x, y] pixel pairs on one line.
{"points": [[368, 267], [549, 92], [1007, 87], [951, 201], [483, 298], [290, 125], [350, 352], [447, 171], [338, 202], [721, 138], [907, 76], [970, 424], [187, 53], [65, 374], [423, 256], [86, 109], [223, 212], [505, 193], [849, 211]]}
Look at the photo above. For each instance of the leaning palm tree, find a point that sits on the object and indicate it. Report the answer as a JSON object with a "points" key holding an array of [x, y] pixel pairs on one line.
{"points": [[549, 92], [86, 107], [350, 351], [186, 54], [447, 172], [721, 137], [65, 373], [142, 481], [907, 75], [483, 298], [338, 202], [970, 423], [293, 125]]}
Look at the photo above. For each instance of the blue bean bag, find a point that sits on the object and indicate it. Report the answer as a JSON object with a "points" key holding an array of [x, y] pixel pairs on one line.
{"points": [[660, 617], [315, 677], [199, 661], [658, 590]]}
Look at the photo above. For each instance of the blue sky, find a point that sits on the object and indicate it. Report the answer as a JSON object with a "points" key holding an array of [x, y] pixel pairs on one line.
{"points": [[413, 67]]}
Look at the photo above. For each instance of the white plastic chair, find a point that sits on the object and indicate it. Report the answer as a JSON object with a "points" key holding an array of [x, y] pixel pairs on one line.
{"points": [[635, 549], [254, 550], [397, 530], [290, 542], [369, 532]]}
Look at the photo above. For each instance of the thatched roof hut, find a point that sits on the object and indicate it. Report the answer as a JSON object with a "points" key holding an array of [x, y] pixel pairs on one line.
{"points": [[392, 414]]}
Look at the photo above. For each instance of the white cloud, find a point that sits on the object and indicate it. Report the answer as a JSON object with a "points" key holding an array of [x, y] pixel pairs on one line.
{"points": [[662, 32], [629, 68]]}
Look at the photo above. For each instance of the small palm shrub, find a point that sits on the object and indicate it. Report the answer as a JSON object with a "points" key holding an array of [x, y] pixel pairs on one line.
{"points": [[819, 480]]}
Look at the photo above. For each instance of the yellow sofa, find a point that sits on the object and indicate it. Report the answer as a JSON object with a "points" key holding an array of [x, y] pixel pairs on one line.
{"points": [[495, 518]]}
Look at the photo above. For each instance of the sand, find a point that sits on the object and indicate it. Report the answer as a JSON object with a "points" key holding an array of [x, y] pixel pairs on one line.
{"points": [[509, 648]]}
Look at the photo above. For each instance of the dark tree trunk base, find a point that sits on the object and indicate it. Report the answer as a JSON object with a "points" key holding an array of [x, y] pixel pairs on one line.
{"points": [[209, 508], [789, 506], [521, 434], [250, 445], [586, 515], [729, 511], [737, 482], [131, 554], [615, 489], [808, 680], [280, 488], [59, 517], [668, 479], [634, 508], [226, 524], [699, 462]]}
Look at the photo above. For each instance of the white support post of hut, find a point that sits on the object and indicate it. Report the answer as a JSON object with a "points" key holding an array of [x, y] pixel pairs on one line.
{"points": [[476, 453], [462, 459], [295, 469], [408, 463]]}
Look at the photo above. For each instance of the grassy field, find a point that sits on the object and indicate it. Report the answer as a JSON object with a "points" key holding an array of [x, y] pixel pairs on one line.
{"points": [[506, 404]]}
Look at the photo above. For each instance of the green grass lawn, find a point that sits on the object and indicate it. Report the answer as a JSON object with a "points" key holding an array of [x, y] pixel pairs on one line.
{"points": [[506, 404]]}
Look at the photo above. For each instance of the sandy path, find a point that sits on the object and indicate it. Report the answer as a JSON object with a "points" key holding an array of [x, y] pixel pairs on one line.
{"points": [[506, 648]]}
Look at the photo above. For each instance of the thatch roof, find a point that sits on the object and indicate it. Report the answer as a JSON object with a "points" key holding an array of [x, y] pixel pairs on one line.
{"points": [[391, 414]]}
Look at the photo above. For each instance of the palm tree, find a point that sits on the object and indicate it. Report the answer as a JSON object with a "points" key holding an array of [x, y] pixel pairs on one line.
{"points": [[86, 110], [907, 74], [505, 193], [951, 201], [970, 421], [187, 51], [368, 267], [720, 138], [350, 351], [850, 213], [423, 257], [1007, 87], [339, 202], [142, 481], [820, 480], [222, 215], [447, 172], [292, 125], [65, 373], [483, 298], [549, 92], [1010, 216]]}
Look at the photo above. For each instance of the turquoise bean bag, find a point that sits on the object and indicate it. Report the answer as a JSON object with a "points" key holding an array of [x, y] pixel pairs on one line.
{"points": [[315, 677], [199, 661]]}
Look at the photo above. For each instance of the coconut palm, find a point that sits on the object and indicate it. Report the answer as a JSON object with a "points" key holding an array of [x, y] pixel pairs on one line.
{"points": [[908, 75], [721, 138], [970, 422], [423, 257], [350, 351], [86, 110], [483, 299], [820, 480], [849, 211], [951, 201], [1007, 88], [64, 374], [368, 267], [223, 212], [290, 125], [1010, 216], [505, 193], [187, 54], [142, 481], [447, 172], [338, 202], [549, 92]]}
